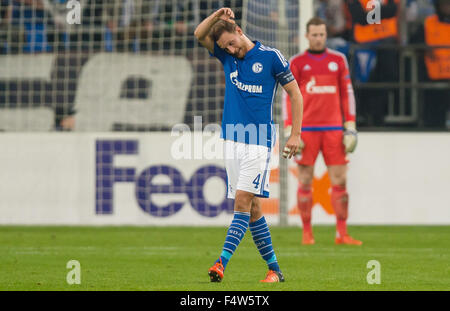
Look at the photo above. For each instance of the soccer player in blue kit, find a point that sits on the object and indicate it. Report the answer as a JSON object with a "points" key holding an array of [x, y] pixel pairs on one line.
{"points": [[252, 73]]}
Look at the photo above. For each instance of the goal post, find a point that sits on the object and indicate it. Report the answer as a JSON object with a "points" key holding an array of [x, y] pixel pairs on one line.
{"points": [[306, 12]]}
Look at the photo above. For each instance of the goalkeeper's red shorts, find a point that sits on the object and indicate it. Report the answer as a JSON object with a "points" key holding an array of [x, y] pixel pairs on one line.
{"points": [[329, 142]]}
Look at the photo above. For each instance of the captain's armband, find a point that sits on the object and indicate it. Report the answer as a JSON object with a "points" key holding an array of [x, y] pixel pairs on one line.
{"points": [[285, 77]]}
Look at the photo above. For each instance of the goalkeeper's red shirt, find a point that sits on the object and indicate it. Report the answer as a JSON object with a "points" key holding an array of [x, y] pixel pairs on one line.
{"points": [[327, 90]]}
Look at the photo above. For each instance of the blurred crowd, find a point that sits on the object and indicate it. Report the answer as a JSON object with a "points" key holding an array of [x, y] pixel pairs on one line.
{"points": [[390, 55], [374, 50], [107, 25], [424, 22]]}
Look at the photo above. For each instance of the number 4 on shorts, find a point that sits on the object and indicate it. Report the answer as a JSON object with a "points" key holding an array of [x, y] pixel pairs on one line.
{"points": [[256, 181]]}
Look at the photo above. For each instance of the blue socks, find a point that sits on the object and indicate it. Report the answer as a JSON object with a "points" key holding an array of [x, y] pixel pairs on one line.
{"points": [[261, 237], [263, 241], [235, 234]]}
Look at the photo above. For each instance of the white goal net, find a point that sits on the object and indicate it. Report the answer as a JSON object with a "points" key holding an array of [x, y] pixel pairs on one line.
{"points": [[129, 65]]}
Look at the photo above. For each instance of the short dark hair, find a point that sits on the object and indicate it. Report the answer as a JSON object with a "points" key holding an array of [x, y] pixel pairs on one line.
{"points": [[220, 27], [316, 21]]}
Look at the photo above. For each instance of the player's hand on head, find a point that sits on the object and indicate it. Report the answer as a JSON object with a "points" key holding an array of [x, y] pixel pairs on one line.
{"points": [[226, 14]]}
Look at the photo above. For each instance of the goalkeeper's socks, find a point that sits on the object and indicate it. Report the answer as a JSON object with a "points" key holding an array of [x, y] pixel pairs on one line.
{"points": [[263, 241], [341, 228], [304, 204], [235, 234], [339, 201]]}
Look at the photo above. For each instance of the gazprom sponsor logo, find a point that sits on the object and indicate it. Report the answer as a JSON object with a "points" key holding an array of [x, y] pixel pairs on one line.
{"points": [[245, 87], [312, 88]]}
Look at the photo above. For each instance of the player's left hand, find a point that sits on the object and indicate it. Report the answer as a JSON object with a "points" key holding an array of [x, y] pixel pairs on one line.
{"points": [[293, 146], [226, 14], [350, 139]]}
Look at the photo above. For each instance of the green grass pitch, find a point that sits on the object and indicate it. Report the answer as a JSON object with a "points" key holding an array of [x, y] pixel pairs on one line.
{"points": [[177, 258]]}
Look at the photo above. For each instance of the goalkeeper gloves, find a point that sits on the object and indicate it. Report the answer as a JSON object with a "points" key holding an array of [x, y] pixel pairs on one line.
{"points": [[350, 139]]}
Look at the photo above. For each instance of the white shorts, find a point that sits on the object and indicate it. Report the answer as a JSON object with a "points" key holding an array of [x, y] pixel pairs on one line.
{"points": [[247, 168]]}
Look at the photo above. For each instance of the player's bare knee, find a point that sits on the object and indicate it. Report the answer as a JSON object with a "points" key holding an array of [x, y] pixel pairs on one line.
{"points": [[339, 180], [256, 210], [243, 201], [305, 181], [338, 175], [306, 175]]}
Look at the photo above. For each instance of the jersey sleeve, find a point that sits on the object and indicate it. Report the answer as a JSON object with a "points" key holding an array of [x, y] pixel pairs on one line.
{"points": [[219, 53], [286, 108], [346, 91], [281, 69]]}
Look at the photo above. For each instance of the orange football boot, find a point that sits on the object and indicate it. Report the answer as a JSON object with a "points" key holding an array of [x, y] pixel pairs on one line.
{"points": [[216, 272], [273, 277], [308, 238], [348, 240]]}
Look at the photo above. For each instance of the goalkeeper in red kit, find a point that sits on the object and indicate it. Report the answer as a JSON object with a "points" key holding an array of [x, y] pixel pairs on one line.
{"points": [[328, 126]]}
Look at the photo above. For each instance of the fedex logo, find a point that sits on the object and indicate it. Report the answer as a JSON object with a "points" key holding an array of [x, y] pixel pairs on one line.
{"points": [[107, 175]]}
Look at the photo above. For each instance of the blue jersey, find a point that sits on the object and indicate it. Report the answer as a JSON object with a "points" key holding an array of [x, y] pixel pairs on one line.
{"points": [[250, 87]]}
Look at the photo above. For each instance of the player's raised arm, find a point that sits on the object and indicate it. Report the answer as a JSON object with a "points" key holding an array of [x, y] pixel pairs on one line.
{"points": [[294, 142], [203, 29]]}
